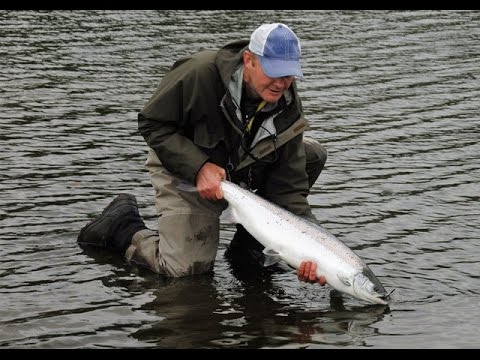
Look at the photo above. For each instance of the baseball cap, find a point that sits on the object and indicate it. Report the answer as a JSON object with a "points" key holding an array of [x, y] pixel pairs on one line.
{"points": [[279, 50]]}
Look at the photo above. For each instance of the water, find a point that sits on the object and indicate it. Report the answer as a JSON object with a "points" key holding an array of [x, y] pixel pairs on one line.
{"points": [[394, 96]]}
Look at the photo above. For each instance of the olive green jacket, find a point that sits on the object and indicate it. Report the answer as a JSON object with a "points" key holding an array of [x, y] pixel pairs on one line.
{"points": [[194, 117]]}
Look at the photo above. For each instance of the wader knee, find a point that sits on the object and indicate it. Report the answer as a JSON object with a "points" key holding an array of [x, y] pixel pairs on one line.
{"points": [[186, 244]]}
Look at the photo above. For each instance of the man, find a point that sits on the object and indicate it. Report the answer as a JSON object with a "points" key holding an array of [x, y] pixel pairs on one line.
{"points": [[232, 113]]}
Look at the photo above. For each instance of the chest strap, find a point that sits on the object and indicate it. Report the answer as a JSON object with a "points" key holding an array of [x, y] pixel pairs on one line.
{"points": [[266, 146]]}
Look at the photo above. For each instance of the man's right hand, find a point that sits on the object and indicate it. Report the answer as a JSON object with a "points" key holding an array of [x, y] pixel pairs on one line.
{"points": [[208, 181], [308, 272]]}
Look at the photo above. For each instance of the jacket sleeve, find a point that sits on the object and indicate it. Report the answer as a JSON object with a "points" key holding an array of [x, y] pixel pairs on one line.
{"points": [[287, 183], [168, 120]]}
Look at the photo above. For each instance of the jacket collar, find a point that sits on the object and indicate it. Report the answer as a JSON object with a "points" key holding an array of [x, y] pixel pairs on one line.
{"points": [[228, 58]]}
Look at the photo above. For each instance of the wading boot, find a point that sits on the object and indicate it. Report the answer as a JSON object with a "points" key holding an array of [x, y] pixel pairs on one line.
{"points": [[114, 228], [244, 248]]}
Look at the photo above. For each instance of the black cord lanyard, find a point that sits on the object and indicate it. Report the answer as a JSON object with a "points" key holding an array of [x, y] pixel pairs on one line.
{"points": [[250, 122], [247, 130]]}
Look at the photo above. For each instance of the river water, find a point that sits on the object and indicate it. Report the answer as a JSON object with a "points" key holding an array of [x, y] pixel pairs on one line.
{"points": [[393, 95]]}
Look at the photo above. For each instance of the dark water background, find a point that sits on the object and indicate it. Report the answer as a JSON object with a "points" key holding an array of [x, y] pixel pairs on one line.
{"points": [[394, 96]]}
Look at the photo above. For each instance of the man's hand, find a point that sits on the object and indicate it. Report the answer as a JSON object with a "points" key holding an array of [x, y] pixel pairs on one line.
{"points": [[208, 181], [308, 272]]}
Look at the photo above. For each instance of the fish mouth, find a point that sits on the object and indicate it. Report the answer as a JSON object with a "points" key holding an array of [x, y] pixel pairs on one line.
{"points": [[380, 294], [379, 298], [386, 297]]}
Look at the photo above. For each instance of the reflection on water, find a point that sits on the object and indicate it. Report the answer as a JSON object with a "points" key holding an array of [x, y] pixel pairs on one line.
{"points": [[253, 315], [393, 95]]}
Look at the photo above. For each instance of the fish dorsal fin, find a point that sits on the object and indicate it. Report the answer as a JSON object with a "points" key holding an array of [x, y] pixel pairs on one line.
{"points": [[344, 279], [271, 257]]}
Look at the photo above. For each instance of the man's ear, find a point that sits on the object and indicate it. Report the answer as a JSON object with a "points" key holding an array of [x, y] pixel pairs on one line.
{"points": [[247, 55], [249, 59]]}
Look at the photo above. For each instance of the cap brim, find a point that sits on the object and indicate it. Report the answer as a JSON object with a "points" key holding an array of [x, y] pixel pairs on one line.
{"points": [[276, 68]]}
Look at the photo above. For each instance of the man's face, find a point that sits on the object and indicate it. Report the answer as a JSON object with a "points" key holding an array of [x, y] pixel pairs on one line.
{"points": [[269, 89]]}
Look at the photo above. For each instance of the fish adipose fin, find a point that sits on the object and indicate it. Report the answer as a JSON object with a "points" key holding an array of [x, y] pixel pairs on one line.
{"points": [[271, 257]]}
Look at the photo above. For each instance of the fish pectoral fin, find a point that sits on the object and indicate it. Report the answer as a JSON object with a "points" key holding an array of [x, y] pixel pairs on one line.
{"points": [[271, 257], [344, 279]]}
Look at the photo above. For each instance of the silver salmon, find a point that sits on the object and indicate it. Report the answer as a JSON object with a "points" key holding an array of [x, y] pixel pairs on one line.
{"points": [[290, 238]]}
